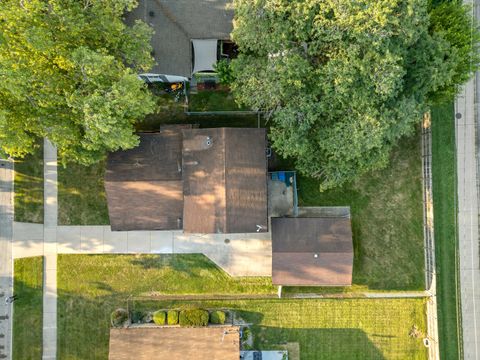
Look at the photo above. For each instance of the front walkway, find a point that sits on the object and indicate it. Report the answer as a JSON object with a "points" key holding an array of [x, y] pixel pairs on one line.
{"points": [[237, 254]]}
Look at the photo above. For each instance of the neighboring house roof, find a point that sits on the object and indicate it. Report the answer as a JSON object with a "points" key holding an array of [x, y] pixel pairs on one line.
{"points": [[165, 343], [144, 185], [176, 22], [225, 180], [312, 251]]}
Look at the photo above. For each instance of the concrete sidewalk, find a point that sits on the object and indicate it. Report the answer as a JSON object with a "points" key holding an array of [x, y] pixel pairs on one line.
{"points": [[468, 220], [6, 280], [50, 252], [238, 254]]}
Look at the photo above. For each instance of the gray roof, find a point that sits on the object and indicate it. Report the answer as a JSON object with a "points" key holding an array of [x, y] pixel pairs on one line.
{"points": [[176, 22], [312, 251]]}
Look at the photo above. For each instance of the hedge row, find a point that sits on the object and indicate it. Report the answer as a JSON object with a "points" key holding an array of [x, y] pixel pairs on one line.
{"points": [[186, 317]]}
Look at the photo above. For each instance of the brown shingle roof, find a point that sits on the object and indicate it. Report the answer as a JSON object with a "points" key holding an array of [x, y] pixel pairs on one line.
{"points": [[168, 343], [225, 180], [144, 185], [312, 251]]}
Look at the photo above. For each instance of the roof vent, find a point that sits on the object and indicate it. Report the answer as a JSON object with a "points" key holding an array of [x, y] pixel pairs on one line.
{"points": [[315, 256]]}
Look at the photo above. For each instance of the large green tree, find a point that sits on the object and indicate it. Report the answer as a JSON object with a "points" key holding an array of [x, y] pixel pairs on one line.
{"points": [[343, 81], [68, 72]]}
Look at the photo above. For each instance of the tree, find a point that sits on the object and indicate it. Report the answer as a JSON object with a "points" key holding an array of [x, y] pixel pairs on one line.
{"points": [[68, 72], [343, 81]]}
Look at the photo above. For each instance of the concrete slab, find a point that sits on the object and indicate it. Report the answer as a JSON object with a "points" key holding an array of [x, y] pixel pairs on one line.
{"points": [[162, 242], [27, 231], [114, 241], [91, 239], [69, 239], [139, 242]]}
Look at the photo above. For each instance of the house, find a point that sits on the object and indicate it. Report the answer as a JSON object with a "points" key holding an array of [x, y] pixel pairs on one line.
{"points": [[198, 180], [312, 251], [186, 32], [166, 343]]}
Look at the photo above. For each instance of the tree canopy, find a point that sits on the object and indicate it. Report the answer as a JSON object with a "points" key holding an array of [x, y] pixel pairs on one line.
{"points": [[343, 81], [68, 72]]}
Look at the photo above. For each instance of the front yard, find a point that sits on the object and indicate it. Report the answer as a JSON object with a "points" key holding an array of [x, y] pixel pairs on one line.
{"points": [[81, 195], [90, 287], [27, 312], [28, 185]]}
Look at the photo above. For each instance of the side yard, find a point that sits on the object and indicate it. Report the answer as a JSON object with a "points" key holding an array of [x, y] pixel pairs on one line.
{"points": [[28, 186], [27, 312], [386, 210], [90, 287], [446, 243]]}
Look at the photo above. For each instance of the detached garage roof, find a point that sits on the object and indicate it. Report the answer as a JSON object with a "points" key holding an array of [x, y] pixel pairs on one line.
{"points": [[144, 185], [225, 180], [313, 251], [201, 343]]}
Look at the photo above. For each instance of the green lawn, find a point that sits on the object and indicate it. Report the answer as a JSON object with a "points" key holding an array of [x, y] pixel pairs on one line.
{"points": [[328, 329], [444, 200], [386, 210], [81, 195], [27, 319], [91, 286], [213, 101], [29, 187]]}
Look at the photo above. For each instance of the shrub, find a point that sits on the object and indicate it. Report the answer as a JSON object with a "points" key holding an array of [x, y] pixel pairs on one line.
{"points": [[193, 317], [225, 72], [217, 317], [119, 317], [148, 318], [138, 316], [159, 317], [172, 317]]}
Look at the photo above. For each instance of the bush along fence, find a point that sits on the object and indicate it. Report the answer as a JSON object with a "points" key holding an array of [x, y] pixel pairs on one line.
{"points": [[186, 317]]}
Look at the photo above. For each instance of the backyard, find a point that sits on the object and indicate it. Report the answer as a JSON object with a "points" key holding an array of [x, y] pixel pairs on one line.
{"points": [[90, 287], [446, 243], [27, 319]]}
